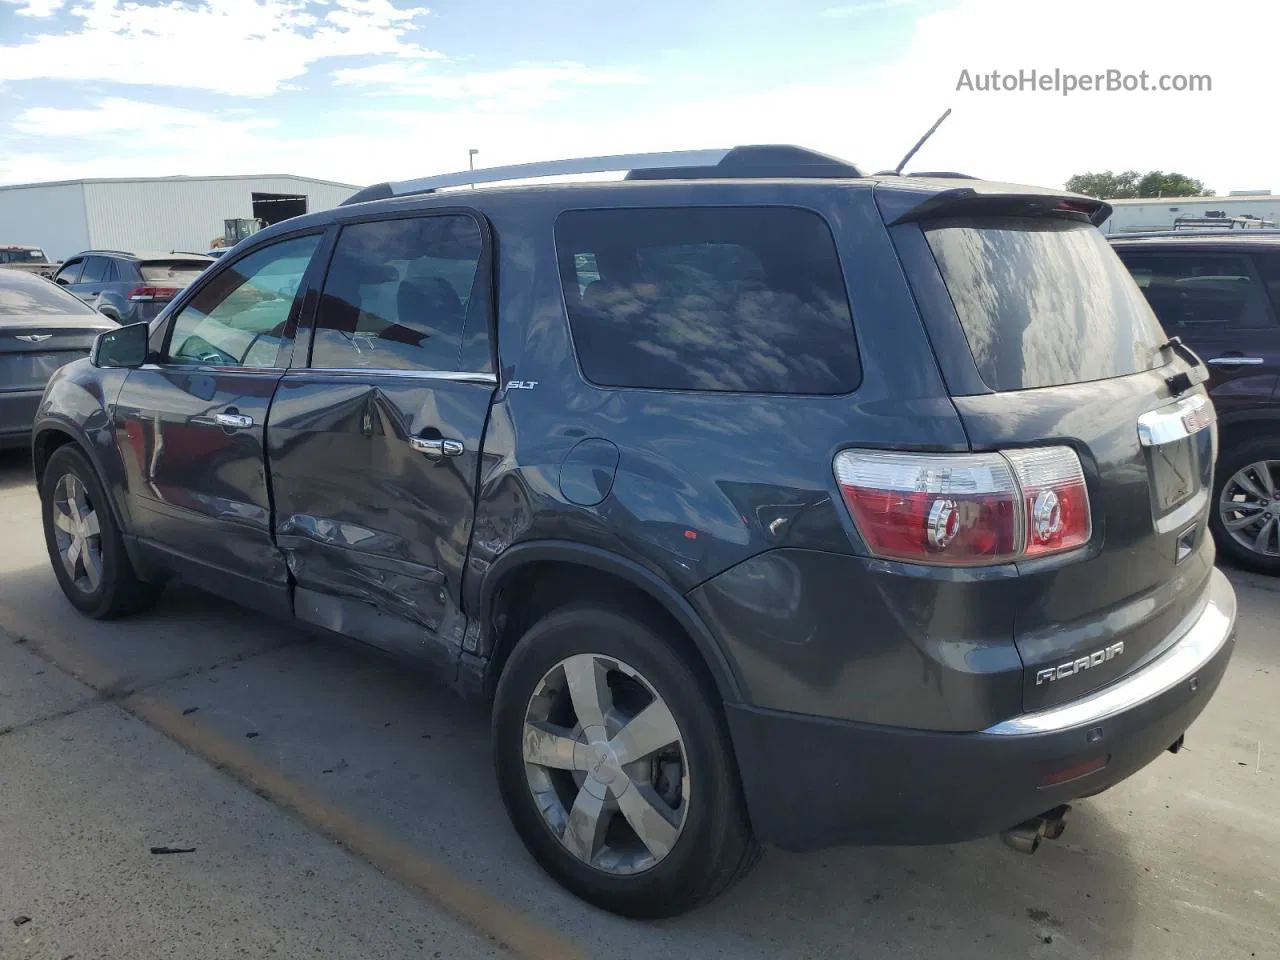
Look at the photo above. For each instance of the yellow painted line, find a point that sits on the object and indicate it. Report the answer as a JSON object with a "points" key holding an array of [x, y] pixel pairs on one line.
{"points": [[464, 900], [460, 898]]}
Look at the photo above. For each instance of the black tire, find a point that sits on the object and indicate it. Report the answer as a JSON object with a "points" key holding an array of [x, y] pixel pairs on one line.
{"points": [[1230, 461], [119, 591], [715, 847]]}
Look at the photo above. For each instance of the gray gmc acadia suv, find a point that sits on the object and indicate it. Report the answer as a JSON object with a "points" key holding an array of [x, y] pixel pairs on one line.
{"points": [[766, 502]]}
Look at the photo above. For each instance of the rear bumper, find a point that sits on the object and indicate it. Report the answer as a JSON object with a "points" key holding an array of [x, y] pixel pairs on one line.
{"points": [[17, 413], [812, 782]]}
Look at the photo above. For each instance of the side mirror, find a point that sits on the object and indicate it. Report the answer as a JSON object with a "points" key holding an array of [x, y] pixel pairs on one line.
{"points": [[125, 348]]}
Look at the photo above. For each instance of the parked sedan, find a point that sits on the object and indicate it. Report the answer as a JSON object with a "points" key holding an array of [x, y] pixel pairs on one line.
{"points": [[41, 328], [1220, 293], [130, 287]]}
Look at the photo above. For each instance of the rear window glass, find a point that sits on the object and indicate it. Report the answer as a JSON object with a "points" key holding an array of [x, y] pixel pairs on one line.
{"points": [[172, 271], [741, 299], [22, 295], [1044, 302]]}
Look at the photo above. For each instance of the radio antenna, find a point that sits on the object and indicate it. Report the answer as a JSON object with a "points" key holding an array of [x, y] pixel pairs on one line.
{"points": [[921, 142]]}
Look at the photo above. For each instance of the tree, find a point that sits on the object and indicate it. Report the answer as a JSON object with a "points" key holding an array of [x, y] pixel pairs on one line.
{"points": [[1159, 184], [1131, 183]]}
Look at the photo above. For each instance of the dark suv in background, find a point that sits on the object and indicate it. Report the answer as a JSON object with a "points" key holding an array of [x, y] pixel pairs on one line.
{"points": [[766, 502], [1221, 295], [129, 287]]}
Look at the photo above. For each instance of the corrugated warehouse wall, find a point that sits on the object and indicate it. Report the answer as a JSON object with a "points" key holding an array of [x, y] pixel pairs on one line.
{"points": [[1129, 216], [186, 214], [49, 216]]}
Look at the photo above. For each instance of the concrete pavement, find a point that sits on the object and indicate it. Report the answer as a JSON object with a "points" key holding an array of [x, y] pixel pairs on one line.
{"points": [[360, 762]]}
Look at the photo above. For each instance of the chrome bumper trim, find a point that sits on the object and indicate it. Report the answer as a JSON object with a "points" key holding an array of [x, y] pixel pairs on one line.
{"points": [[1200, 644]]}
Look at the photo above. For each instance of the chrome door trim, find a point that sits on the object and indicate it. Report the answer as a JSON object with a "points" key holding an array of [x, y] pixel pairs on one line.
{"points": [[1234, 361], [450, 376]]}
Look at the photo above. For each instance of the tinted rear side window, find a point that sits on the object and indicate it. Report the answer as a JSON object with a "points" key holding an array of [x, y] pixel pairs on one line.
{"points": [[1044, 302], [1201, 290], [735, 299], [397, 294]]}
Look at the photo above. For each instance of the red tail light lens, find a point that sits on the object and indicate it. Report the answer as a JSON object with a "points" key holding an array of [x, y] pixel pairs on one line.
{"points": [[952, 510], [146, 294], [1054, 499], [966, 509]]}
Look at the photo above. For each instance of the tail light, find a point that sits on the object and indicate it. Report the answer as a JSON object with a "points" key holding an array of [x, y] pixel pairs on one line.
{"points": [[966, 509], [147, 294]]}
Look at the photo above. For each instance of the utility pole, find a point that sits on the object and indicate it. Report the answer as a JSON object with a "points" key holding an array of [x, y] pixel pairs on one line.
{"points": [[471, 163]]}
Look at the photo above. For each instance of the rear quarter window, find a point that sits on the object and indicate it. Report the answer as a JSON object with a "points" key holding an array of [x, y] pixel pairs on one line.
{"points": [[726, 299], [1044, 302]]}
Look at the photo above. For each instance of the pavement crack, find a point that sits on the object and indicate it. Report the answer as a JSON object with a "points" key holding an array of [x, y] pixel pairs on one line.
{"points": [[242, 657], [94, 701]]}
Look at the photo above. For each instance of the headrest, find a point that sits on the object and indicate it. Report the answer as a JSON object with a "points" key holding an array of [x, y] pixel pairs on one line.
{"points": [[360, 273]]}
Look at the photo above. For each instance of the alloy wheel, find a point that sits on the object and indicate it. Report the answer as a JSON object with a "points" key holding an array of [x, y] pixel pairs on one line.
{"points": [[606, 763], [78, 533], [1250, 507]]}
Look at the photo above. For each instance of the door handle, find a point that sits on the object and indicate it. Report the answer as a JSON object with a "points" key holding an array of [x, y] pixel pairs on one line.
{"points": [[1236, 361], [233, 420], [437, 448]]}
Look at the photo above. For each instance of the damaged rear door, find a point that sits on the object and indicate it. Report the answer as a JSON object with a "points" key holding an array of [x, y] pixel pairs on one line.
{"points": [[375, 434]]}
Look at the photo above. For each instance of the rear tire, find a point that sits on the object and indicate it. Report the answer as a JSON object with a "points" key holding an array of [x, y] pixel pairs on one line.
{"points": [[1238, 471], [699, 844], [84, 542]]}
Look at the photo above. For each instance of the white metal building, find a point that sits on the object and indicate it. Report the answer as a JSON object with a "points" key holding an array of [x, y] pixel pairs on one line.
{"points": [[161, 213], [1132, 216]]}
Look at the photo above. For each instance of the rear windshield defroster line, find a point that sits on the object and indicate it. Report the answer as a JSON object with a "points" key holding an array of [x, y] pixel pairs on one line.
{"points": [[1044, 302]]}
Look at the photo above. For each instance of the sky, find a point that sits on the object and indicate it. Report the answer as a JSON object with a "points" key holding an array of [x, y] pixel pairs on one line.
{"points": [[361, 91]]}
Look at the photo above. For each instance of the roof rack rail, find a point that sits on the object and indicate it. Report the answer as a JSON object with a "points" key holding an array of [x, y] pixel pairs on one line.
{"points": [[747, 162], [116, 253]]}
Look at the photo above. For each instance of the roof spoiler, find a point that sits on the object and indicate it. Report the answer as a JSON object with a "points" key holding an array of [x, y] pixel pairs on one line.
{"points": [[996, 199]]}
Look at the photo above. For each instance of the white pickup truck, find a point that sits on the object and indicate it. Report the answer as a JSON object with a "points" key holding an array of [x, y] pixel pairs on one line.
{"points": [[24, 257]]}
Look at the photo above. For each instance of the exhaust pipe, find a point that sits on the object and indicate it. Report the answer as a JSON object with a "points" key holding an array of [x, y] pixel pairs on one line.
{"points": [[1026, 836]]}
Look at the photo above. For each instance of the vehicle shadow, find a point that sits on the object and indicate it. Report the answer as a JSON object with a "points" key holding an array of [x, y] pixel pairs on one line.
{"points": [[15, 469]]}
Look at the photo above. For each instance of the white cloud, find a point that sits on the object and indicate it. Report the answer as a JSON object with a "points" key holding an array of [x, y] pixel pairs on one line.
{"points": [[36, 8], [527, 85], [116, 115], [241, 47]]}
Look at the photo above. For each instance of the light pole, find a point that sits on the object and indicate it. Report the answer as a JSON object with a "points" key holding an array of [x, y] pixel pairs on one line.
{"points": [[471, 163]]}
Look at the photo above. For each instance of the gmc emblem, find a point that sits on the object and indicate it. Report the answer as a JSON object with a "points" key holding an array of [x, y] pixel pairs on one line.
{"points": [[1072, 667]]}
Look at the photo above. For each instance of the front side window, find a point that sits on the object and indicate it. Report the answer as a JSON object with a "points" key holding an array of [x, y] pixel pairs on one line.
{"points": [[725, 299], [397, 294], [238, 318], [70, 272], [1202, 291]]}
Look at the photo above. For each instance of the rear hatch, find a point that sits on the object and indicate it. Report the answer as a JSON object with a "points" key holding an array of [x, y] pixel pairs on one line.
{"points": [[1044, 339]]}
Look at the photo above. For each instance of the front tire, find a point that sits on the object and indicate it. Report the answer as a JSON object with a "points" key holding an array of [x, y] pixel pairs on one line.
{"points": [[1246, 504], [84, 542], [616, 768]]}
